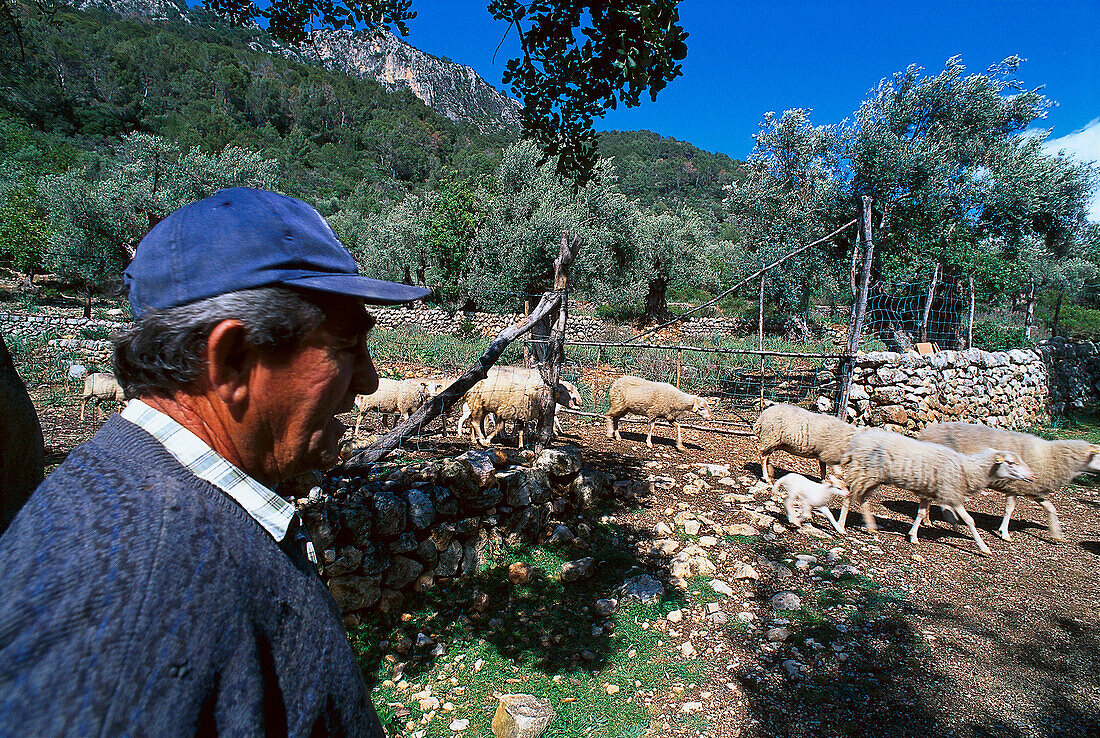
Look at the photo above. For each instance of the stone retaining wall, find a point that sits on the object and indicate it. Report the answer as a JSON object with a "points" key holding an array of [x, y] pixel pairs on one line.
{"points": [[382, 538], [429, 320], [905, 392]]}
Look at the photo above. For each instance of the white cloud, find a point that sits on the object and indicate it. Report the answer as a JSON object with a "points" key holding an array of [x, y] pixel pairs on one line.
{"points": [[1082, 145]]}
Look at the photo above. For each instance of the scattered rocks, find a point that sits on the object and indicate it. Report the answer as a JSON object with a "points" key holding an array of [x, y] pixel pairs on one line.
{"points": [[642, 587], [786, 601], [521, 716], [571, 571]]}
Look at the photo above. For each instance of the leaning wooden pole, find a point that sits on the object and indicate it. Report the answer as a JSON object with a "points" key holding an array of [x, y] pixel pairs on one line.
{"points": [[443, 402], [859, 311]]}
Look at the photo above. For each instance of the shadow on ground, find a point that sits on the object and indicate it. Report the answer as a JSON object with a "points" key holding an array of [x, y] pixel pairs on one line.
{"points": [[856, 663]]}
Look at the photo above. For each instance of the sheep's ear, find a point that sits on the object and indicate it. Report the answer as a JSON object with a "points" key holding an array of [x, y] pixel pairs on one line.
{"points": [[1094, 449], [999, 459]]}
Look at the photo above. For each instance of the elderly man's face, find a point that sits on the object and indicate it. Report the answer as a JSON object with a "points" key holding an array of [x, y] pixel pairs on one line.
{"points": [[298, 397]]}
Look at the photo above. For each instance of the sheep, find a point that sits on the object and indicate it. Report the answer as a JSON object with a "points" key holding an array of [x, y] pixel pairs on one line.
{"points": [[800, 433], [652, 400], [1055, 464], [508, 395], [392, 396], [934, 473], [803, 495], [100, 386], [574, 402]]}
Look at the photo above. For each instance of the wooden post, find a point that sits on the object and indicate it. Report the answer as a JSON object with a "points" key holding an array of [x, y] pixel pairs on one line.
{"points": [[1029, 322], [760, 334], [970, 322], [859, 311], [928, 303], [679, 361], [555, 346]]}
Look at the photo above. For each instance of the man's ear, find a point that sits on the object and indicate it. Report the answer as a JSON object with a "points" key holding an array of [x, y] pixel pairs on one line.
{"points": [[229, 362]]}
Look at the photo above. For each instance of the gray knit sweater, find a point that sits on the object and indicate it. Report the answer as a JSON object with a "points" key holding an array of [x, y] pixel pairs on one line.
{"points": [[137, 599]]}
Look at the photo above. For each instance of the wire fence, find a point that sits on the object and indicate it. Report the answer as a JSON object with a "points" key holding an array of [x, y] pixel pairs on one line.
{"points": [[737, 371]]}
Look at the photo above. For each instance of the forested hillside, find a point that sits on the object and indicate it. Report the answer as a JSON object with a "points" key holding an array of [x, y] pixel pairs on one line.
{"points": [[109, 122], [655, 169]]}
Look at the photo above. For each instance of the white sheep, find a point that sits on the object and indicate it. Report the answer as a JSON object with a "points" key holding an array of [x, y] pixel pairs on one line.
{"points": [[574, 402], [100, 386], [802, 433], [804, 495], [934, 473], [508, 395], [1054, 463], [652, 400], [392, 396]]}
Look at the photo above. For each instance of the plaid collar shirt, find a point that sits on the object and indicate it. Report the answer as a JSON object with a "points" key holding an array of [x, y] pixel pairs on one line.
{"points": [[277, 516]]}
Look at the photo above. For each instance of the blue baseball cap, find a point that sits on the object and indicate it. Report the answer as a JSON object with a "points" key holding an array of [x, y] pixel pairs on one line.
{"points": [[242, 238]]}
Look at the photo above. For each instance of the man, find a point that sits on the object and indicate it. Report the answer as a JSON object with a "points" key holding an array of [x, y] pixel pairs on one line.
{"points": [[155, 584]]}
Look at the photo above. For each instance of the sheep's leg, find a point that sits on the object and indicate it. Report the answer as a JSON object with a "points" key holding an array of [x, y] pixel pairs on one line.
{"points": [[358, 420], [612, 426], [965, 516], [869, 518], [679, 436], [1054, 525], [1010, 505], [649, 438], [83, 404], [824, 469], [843, 520], [922, 515], [766, 466]]}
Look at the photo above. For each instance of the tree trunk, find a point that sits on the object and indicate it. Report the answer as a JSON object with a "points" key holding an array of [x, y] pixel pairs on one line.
{"points": [[1057, 312], [1029, 321], [407, 279], [87, 302], [22, 449], [656, 306]]}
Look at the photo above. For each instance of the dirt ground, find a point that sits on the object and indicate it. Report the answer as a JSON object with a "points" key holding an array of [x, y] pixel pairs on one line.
{"points": [[926, 640]]}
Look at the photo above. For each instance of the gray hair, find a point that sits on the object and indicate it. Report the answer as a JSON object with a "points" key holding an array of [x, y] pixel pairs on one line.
{"points": [[165, 351]]}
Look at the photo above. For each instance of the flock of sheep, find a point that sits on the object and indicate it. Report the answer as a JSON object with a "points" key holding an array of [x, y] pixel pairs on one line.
{"points": [[949, 463], [517, 394]]}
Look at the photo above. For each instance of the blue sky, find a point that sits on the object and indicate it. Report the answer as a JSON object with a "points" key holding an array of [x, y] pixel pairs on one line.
{"points": [[746, 58]]}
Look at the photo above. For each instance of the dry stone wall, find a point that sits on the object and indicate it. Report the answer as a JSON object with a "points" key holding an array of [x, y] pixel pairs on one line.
{"points": [[381, 538], [905, 392]]}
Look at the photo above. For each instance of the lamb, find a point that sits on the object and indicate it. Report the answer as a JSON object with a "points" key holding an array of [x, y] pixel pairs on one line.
{"points": [[803, 495], [653, 400], [392, 396], [934, 473], [800, 433], [1055, 463], [100, 386], [508, 395]]}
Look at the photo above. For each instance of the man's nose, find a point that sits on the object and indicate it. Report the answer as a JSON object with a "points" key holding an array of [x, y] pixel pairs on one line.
{"points": [[365, 381]]}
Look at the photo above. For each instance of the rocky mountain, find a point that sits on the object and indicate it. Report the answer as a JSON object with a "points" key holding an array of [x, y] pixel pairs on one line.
{"points": [[453, 90], [159, 10]]}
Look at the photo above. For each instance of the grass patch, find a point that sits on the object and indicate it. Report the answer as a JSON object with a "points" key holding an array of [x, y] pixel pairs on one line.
{"points": [[543, 638]]}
